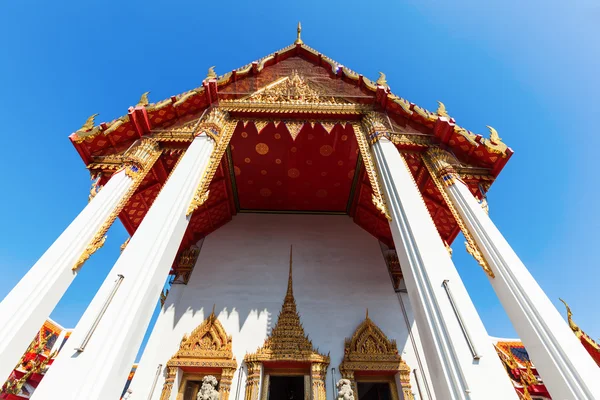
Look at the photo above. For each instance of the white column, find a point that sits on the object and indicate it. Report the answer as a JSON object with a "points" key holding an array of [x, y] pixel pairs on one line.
{"points": [[99, 371], [566, 368], [25, 309], [426, 264]]}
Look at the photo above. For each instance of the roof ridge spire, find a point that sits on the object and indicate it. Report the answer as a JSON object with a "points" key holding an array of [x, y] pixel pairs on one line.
{"points": [[290, 287], [298, 38]]}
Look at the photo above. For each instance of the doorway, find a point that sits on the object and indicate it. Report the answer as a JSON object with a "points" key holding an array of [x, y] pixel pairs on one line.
{"points": [[286, 388], [374, 391]]}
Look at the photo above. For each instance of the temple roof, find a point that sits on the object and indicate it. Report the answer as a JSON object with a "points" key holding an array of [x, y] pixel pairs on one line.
{"points": [[295, 147]]}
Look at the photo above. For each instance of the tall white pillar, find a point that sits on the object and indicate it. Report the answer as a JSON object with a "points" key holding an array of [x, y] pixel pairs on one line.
{"points": [[96, 361], [25, 309], [566, 368], [461, 358]]}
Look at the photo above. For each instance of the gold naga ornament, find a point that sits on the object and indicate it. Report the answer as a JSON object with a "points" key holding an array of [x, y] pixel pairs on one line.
{"points": [[287, 342], [370, 350], [143, 100]]}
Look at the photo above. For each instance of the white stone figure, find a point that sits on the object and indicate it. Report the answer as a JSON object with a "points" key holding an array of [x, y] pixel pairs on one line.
{"points": [[208, 391], [345, 391]]}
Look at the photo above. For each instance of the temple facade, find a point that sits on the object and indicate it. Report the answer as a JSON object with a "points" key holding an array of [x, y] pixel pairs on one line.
{"points": [[294, 218]]}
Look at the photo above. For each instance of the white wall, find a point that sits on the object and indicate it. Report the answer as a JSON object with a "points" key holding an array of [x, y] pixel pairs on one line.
{"points": [[339, 271]]}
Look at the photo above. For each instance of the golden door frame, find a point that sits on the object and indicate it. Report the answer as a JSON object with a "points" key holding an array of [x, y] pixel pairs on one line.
{"points": [[208, 348], [371, 353]]}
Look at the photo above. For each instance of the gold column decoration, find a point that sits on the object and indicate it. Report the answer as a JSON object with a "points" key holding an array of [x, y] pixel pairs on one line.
{"points": [[253, 380], [365, 152], [225, 383], [218, 127], [376, 126], [405, 381], [288, 342], [440, 165], [369, 350], [318, 372], [137, 162], [208, 346], [168, 385]]}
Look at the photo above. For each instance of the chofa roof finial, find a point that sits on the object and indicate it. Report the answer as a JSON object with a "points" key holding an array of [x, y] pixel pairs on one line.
{"points": [[298, 39]]}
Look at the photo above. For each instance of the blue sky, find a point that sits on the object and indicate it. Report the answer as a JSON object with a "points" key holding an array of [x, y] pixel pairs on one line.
{"points": [[530, 69]]}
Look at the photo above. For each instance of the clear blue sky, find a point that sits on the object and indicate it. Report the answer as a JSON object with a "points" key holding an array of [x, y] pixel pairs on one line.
{"points": [[530, 69]]}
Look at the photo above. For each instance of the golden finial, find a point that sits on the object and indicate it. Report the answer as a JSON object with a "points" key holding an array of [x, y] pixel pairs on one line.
{"points": [[89, 123], [212, 313], [441, 111], [381, 81], [298, 39], [211, 74], [572, 324], [494, 138], [290, 289], [367, 315], [143, 99]]}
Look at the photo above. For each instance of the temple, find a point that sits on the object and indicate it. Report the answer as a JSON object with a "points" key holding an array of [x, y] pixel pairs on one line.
{"points": [[270, 208]]}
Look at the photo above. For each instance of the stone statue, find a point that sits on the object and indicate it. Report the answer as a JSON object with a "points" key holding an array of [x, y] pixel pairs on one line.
{"points": [[208, 391], [345, 391]]}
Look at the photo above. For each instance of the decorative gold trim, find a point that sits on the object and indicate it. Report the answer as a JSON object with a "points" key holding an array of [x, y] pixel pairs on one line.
{"points": [[365, 152], [370, 350], [138, 161], [376, 126], [494, 143], [221, 129], [208, 346], [440, 165], [581, 335]]}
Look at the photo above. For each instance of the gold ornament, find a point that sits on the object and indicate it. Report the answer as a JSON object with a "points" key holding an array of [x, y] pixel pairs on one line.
{"points": [[367, 158], [143, 99], [89, 124], [441, 111], [381, 81], [299, 32], [369, 349], [208, 346], [287, 342], [211, 74], [494, 143], [221, 129]]}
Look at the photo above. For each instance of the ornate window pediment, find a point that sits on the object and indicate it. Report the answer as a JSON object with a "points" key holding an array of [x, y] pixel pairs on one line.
{"points": [[208, 346], [370, 350]]}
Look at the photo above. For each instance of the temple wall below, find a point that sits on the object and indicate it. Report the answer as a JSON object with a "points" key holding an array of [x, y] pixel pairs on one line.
{"points": [[338, 272]]}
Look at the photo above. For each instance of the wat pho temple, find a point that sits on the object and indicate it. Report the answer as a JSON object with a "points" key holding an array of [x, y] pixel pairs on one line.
{"points": [[294, 219]]}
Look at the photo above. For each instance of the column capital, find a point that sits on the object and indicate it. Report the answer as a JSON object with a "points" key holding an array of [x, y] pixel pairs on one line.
{"points": [[376, 126], [212, 123], [140, 157], [442, 165]]}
